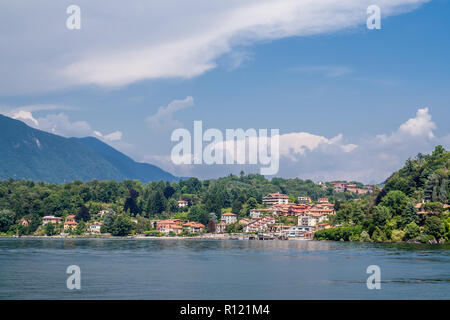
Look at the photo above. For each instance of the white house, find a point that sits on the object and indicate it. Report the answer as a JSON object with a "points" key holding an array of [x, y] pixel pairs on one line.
{"points": [[275, 198], [51, 219], [182, 203], [229, 218], [95, 227]]}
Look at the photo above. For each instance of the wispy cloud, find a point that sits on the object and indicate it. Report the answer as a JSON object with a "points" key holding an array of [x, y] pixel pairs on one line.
{"points": [[141, 48]]}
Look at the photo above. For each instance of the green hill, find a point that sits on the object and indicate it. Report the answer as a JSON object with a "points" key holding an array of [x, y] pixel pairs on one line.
{"points": [[424, 177]]}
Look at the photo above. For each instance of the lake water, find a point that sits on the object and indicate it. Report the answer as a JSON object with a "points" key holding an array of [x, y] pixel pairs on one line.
{"points": [[220, 269]]}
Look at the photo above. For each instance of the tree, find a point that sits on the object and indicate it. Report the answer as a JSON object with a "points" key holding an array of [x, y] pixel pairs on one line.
{"points": [[396, 201], [50, 229], [34, 224], [237, 206], [379, 235], [211, 226], [443, 191], [252, 203], [7, 218], [198, 213], [412, 231], [131, 203], [168, 191], [409, 214], [157, 203], [80, 228], [381, 214], [213, 217], [83, 214], [122, 226], [434, 227], [172, 205]]}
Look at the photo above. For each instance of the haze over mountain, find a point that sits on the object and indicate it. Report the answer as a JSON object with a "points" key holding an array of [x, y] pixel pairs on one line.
{"points": [[28, 153]]}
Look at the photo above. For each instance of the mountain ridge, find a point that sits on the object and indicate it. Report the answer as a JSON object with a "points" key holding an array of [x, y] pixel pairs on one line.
{"points": [[33, 154]]}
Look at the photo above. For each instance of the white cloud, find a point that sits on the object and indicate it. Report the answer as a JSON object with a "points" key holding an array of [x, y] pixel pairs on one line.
{"points": [[58, 123], [369, 159], [114, 136], [418, 128], [122, 44], [25, 115], [420, 125], [163, 118]]}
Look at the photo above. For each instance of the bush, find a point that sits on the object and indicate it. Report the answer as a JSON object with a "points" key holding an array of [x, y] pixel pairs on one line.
{"points": [[364, 237], [379, 235], [397, 235], [426, 238], [336, 234]]}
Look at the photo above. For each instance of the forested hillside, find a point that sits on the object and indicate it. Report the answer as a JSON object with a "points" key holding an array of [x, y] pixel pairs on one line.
{"points": [[412, 206]]}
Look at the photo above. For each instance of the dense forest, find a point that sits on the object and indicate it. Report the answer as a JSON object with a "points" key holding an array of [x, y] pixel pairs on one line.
{"points": [[412, 206]]}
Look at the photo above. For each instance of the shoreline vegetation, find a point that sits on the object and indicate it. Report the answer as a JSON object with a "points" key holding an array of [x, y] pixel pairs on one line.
{"points": [[411, 206]]}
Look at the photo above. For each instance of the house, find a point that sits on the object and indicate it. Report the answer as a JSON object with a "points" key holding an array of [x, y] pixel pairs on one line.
{"points": [[321, 226], [304, 200], [70, 218], [95, 227], [323, 200], [194, 227], [169, 225], [25, 222], [244, 221], [51, 219], [339, 186], [229, 218], [220, 227], [296, 231], [70, 225], [275, 198], [255, 213], [182, 203], [102, 213]]}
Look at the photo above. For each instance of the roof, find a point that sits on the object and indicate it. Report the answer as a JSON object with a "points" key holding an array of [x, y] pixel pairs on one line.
{"points": [[51, 217], [277, 195], [193, 224], [229, 214]]}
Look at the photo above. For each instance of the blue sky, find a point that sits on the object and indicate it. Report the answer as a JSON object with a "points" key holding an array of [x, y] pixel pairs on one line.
{"points": [[338, 79]]}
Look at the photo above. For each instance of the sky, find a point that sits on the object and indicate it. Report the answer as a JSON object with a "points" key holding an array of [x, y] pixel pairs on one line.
{"points": [[349, 102]]}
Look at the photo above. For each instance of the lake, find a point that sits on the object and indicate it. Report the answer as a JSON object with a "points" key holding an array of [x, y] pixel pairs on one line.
{"points": [[220, 269]]}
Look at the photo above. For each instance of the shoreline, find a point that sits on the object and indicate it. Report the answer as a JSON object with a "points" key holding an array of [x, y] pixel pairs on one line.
{"points": [[143, 237], [201, 237]]}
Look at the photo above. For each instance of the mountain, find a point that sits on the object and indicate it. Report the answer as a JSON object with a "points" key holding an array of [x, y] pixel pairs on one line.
{"points": [[144, 172], [28, 153]]}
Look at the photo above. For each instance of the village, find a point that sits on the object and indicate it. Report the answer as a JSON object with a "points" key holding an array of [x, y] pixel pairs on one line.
{"points": [[275, 218]]}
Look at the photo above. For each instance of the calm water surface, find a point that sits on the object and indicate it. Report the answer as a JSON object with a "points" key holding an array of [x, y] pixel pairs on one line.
{"points": [[220, 269]]}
